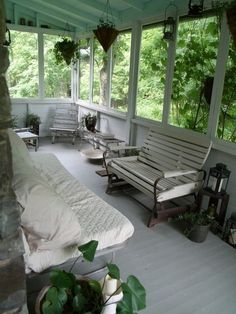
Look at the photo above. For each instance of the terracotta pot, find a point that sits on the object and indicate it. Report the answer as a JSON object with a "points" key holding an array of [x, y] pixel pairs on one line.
{"points": [[231, 18], [106, 36]]}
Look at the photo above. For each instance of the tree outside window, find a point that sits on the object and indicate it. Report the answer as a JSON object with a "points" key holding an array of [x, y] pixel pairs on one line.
{"points": [[120, 71], [227, 116], [152, 69], [100, 74], [57, 77], [22, 75], [84, 68], [195, 63]]}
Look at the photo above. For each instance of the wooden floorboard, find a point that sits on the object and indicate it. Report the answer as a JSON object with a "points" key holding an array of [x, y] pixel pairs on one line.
{"points": [[181, 277]]}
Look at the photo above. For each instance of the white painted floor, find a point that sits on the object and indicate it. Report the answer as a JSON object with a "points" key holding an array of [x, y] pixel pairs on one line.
{"points": [[180, 277]]}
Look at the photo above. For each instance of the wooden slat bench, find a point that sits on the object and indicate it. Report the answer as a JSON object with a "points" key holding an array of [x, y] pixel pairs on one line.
{"points": [[65, 122], [168, 166]]}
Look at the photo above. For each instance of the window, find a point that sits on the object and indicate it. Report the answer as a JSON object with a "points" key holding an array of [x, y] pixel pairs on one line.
{"points": [[193, 74], [152, 69], [100, 74], [84, 69], [57, 77], [227, 116], [22, 74], [120, 71]]}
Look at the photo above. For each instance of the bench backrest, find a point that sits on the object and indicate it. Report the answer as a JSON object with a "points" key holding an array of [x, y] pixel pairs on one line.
{"points": [[168, 151], [66, 116]]}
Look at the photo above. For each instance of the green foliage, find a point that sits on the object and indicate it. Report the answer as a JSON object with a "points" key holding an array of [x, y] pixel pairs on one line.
{"points": [[66, 50], [89, 121], [88, 250], [192, 218], [71, 295], [32, 119], [113, 271]]}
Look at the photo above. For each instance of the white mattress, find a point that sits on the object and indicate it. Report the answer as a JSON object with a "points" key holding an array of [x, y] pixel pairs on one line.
{"points": [[99, 221]]}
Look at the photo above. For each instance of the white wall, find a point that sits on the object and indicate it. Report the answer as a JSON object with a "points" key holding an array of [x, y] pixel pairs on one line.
{"points": [[45, 111]]}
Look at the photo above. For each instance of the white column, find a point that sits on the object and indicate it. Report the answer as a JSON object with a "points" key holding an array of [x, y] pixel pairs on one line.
{"points": [[133, 80]]}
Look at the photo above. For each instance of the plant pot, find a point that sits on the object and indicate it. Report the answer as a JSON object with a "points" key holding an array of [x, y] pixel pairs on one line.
{"points": [[90, 123], [231, 18], [198, 233], [106, 36]]}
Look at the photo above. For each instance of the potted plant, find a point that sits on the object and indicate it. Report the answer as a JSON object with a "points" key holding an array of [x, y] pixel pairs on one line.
{"points": [[68, 294], [196, 224], [32, 121], [106, 33], [66, 50], [89, 121]]}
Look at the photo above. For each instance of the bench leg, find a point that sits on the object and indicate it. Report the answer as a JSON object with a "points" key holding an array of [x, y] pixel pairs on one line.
{"points": [[53, 139], [114, 183], [73, 140]]}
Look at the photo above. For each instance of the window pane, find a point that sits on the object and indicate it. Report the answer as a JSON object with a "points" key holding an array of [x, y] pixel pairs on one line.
{"points": [[99, 74], [57, 77], [152, 69], [120, 71], [193, 75], [84, 68], [23, 71], [227, 118]]}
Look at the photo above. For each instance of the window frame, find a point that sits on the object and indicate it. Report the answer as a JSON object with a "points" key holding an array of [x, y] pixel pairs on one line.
{"points": [[40, 32]]}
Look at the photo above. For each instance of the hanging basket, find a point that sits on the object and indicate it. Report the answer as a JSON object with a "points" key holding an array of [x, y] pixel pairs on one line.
{"points": [[106, 36], [231, 18]]}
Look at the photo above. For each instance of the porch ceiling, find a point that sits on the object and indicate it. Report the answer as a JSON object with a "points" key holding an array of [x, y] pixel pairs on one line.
{"points": [[84, 15]]}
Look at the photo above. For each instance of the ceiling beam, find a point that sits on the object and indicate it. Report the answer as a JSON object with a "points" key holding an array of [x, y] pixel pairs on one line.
{"points": [[69, 10], [95, 6], [54, 14], [139, 6]]}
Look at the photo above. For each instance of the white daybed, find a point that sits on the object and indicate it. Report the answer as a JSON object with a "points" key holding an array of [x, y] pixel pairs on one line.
{"points": [[59, 213]]}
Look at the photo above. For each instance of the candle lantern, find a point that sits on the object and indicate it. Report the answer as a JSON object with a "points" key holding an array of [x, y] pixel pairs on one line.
{"points": [[169, 22], [195, 8], [218, 178]]}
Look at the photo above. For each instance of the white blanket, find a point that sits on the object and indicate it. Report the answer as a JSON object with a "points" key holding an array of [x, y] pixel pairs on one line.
{"points": [[98, 220]]}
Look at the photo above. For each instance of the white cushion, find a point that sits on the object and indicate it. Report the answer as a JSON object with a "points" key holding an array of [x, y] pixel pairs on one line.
{"points": [[19, 150], [49, 221]]}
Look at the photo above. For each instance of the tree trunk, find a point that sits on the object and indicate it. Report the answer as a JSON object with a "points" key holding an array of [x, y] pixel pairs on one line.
{"points": [[103, 83], [12, 273]]}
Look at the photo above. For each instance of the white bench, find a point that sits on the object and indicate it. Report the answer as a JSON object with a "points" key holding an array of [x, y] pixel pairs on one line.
{"points": [[168, 166]]}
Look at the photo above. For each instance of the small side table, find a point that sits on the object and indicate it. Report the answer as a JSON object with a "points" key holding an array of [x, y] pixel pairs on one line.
{"points": [[28, 136], [215, 198]]}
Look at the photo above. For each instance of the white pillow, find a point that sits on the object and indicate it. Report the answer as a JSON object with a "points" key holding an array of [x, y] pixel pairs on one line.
{"points": [[46, 216], [18, 147]]}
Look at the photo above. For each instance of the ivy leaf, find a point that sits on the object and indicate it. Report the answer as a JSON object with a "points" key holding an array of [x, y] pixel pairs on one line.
{"points": [[62, 279], [113, 271], [78, 302], [138, 293], [54, 302], [95, 285], [125, 305], [88, 250]]}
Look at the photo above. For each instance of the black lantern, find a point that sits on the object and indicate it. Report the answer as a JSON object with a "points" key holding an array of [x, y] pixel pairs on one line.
{"points": [[169, 22], [195, 8], [218, 178]]}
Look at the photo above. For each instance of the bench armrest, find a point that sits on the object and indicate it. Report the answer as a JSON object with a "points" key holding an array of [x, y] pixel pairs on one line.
{"points": [[178, 172], [116, 148]]}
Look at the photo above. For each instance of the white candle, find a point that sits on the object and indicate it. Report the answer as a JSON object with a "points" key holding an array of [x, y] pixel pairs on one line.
{"points": [[110, 285]]}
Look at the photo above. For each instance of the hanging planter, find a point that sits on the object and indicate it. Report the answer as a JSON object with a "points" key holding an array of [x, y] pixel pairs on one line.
{"points": [[231, 18], [106, 34], [66, 50]]}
